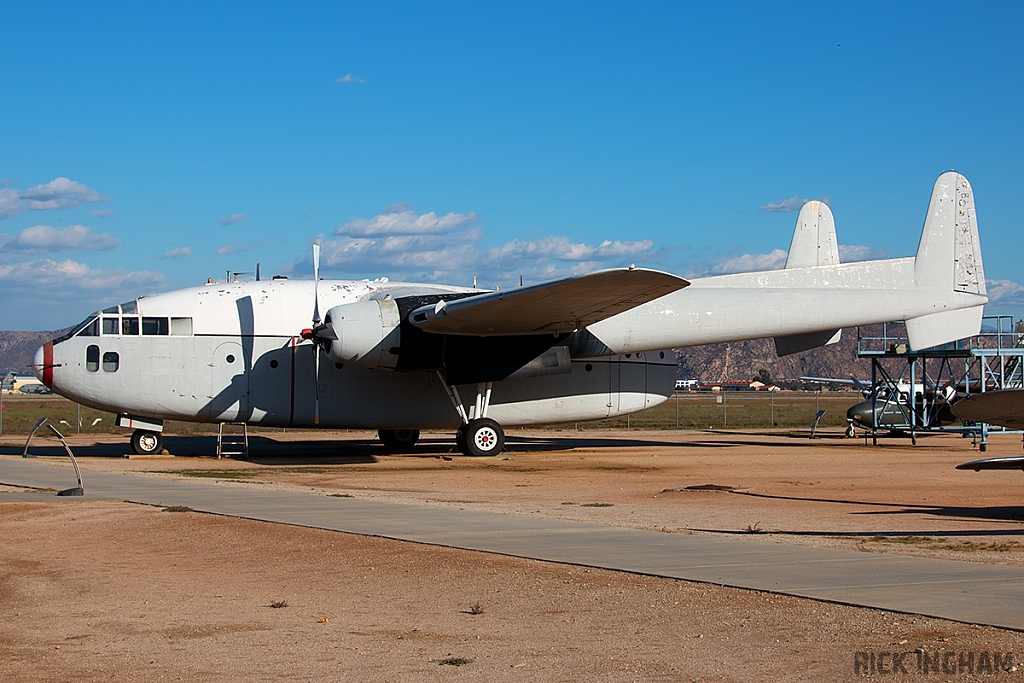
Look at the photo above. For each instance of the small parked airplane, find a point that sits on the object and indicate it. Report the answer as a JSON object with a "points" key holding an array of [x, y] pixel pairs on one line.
{"points": [[887, 405], [398, 357]]}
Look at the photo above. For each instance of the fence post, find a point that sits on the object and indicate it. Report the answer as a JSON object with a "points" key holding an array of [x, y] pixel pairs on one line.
{"points": [[725, 412], [677, 411], [771, 395]]}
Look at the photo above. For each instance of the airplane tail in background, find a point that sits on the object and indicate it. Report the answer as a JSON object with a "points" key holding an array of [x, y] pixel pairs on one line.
{"points": [[949, 261], [814, 240], [814, 244]]}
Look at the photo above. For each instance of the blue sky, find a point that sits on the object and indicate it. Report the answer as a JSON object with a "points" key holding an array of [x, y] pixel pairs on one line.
{"points": [[148, 147]]}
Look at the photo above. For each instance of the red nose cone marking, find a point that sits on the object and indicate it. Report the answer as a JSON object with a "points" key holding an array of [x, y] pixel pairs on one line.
{"points": [[48, 365], [307, 333]]}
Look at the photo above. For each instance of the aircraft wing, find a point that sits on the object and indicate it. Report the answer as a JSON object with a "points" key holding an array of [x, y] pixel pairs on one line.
{"points": [[556, 306], [853, 381], [1004, 408]]}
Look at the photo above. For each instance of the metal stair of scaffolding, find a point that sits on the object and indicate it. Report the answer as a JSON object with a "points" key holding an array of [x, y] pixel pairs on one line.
{"points": [[232, 443]]}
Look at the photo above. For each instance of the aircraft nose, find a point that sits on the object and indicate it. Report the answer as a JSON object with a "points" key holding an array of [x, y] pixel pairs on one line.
{"points": [[37, 364], [860, 413], [42, 364]]}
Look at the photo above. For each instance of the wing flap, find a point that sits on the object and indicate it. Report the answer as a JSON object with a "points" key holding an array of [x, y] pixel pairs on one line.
{"points": [[558, 306]]}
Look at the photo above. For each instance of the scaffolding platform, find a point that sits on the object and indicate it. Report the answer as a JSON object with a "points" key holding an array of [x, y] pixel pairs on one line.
{"points": [[939, 376]]}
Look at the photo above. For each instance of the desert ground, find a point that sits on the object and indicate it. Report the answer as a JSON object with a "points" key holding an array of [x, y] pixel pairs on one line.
{"points": [[113, 591]]}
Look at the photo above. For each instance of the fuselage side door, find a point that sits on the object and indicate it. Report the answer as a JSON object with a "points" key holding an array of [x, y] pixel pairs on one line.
{"points": [[229, 384]]}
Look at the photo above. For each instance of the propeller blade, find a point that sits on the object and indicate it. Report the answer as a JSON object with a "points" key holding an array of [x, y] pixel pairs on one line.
{"points": [[316, 380], [316, 284]]}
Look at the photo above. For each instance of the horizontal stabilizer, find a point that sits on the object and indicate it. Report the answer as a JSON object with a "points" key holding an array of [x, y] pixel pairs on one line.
{"points": [[942, 328], [795, 343], [1014, 462], [557, 306]]}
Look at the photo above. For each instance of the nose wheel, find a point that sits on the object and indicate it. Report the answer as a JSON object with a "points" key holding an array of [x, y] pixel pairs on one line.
{"points": [[146, 443]]}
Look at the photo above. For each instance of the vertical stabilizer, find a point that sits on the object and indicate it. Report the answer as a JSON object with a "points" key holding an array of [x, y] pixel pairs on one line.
{"points": [[949, 255], [814, 244], [814, 240]]}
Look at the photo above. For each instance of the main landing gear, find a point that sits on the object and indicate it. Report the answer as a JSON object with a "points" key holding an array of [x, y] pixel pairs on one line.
{"points": [[479, 435], [145, 442], [399, 438]]}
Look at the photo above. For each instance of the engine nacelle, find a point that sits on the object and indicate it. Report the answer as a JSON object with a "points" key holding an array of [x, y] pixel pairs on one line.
{"points": [[368, 334]]}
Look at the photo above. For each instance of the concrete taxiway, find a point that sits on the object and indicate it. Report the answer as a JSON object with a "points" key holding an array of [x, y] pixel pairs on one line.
{"points": [[967, 592]]}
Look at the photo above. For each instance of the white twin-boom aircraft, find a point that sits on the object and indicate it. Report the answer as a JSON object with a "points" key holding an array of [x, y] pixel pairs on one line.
{"points": [[400, 357]]}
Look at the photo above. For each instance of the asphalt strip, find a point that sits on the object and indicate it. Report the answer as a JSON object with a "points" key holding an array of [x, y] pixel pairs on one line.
{"points": [[962, 591]]}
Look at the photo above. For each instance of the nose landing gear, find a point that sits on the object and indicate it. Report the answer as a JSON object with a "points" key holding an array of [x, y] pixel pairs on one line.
{"points": [[146, 443]]}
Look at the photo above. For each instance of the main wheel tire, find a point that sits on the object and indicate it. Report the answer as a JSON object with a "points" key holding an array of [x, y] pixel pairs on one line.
{"points": [[147, 443], [483, 437], [460, 439], [399, 438]]}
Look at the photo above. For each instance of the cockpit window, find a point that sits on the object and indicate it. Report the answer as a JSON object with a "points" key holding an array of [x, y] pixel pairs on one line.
{"points": [[112, 310], [111, 326], [129, 308], [129, 326], [89, 329], [181, 327], [155, 326]]}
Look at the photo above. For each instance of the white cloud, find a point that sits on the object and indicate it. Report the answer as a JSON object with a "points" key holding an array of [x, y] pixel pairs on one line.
{"points": [[405, 245], [233, 218], [1005, 294], [848, 253], [794, 203], [348, 78], [10, 203], [44, 238], [50, 294], [563, 249], [180, 252], [747, 263], [238, 248], [60, 193], [69, 276], [102, 213], [399, 219]]}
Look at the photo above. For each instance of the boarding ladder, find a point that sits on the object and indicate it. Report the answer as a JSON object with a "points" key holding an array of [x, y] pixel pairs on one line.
{"points": [[232, 442]]}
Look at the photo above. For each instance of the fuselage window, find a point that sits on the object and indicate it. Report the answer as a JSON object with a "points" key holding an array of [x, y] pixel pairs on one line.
{"points": [[129, 325], [92, 358], [181, 327], [155, 326], [111, 326], [92, 329], [111, 361]]}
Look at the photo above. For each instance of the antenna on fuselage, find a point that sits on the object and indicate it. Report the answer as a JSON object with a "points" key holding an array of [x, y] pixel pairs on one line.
{"points": [[257, 272]]}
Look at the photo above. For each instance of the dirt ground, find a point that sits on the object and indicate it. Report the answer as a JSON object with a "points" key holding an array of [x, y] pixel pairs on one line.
{"points": [[113, 591]]}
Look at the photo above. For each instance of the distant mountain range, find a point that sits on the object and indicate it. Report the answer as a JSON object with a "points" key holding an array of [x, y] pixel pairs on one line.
{"points": [[713, 363], [17, 349], [744, 360]]}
